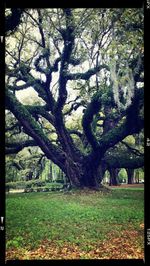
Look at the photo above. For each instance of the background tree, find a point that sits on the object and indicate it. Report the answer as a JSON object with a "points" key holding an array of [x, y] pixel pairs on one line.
{"points": [[84, 61]]}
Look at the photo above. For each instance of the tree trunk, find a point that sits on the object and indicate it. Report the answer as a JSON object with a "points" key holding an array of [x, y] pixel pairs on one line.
{"points": [[36, 175], [130, 173], [113, 177], [84, 173], [51, 171], [137, 177], [29, 176]]}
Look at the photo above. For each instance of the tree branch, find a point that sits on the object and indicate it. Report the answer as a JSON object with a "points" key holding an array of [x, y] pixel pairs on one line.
{"points": [[65, 58], [119, 160], [131, 149], [76, 132], [40, 110], [126, 127], [89, 113], [74, 106], [15, 147], [86, 75], [9, 128], [33, 130], [118, 133]]}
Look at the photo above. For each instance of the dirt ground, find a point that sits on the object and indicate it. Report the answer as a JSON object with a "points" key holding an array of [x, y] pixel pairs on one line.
{"points": [[16, 190], [120, 186], [129, 186]]}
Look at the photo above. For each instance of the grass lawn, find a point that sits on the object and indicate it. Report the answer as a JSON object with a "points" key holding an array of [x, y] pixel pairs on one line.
{"points": [[77, 225]]}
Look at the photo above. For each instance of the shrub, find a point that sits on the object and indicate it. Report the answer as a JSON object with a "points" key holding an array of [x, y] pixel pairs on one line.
{"points": [[34, 186], [34, 183], [53, 187], [16, 184]]}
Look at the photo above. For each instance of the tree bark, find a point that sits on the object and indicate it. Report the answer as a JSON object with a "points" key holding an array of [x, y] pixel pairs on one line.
{"points": [[113, 177], [130, 173]]}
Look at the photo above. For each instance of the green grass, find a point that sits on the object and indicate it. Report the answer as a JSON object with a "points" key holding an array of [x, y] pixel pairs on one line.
{"points": [[76, 218]]}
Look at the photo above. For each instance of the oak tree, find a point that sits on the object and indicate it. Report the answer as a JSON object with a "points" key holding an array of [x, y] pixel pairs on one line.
{"points": [[87, 62]]}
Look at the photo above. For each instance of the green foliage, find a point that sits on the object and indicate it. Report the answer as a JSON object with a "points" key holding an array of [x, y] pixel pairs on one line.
{"points": [[16, 185], [130, 140], [106, 176], [122, 175], [34, 185], [46, 188], [15, 242]]}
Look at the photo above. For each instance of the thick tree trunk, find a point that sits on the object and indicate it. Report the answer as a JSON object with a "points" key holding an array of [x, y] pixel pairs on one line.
{"points": [[83, 174], [113, 177], [130, 173]]}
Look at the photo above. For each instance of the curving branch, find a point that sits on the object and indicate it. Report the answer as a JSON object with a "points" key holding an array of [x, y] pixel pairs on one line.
{"points": [[40, 110], [86, 75], [68, 36], [15, 147], [33, 129], [76, 132], [131, 149], [20, 87], [92, 109], [126, 126], [123, 160]]}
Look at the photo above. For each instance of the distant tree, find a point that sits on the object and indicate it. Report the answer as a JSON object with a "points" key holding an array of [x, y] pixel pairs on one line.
{"points": [[85, 61]]}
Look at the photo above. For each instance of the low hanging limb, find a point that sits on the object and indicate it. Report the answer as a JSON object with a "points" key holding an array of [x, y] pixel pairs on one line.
{"points": [[119, 160], [133, 150], [15, 147]]}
